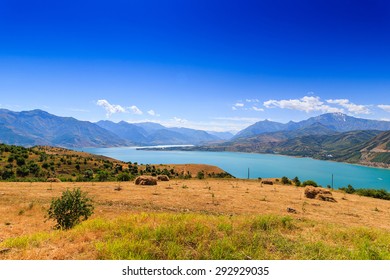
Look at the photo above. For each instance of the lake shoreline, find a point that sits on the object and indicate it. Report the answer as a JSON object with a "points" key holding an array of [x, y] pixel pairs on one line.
{"points": [[378, 165], [261, 165]]}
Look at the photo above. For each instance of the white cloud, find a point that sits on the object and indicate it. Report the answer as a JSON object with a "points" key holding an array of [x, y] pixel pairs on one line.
{"points": [[306, 104], [110, 108], [153, 113], [384, 107], [113, 109], [234, 108], [257, 109], [252, 100], [179, 120], [239, 104], [351, 107], [134, 109]]}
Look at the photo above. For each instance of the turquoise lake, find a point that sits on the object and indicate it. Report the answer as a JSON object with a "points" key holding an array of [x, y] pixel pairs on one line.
{"points": [[261, 165]]}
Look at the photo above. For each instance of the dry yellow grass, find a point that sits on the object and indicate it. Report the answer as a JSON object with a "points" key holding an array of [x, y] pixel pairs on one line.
{"points": [[23, 205]]}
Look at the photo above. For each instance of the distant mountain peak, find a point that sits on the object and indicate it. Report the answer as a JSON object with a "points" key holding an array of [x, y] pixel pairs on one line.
{"points": [[337, 114]]}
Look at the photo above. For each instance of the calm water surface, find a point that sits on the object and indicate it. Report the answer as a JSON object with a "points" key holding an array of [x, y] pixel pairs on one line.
{"points": [[261, 165]]}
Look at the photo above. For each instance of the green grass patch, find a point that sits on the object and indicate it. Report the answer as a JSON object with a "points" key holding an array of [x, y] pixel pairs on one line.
{"points": [[24, 242], [195, 236], [187, 236]]}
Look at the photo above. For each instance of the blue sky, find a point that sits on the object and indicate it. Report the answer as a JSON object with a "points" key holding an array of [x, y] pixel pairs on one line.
{"points": [[217, 65]]}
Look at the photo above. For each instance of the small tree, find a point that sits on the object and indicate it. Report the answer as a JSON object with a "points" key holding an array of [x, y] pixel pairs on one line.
{"points": [[285, 181], [296, 181], [72, 208], [348, 189], [200, 175]]}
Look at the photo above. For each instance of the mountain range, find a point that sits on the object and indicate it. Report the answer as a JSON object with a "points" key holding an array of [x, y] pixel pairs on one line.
{"points": [[337, 122], [30, 128], [37, 127], [330, 136], [155, 134]]}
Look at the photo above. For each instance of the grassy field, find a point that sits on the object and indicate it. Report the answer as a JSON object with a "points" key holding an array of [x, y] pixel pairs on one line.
{"points": [[194, 219]]}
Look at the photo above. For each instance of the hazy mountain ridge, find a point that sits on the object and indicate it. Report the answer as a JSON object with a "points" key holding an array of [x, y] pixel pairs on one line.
{"points": [[156, 134], [131, 132], [37, 127]]}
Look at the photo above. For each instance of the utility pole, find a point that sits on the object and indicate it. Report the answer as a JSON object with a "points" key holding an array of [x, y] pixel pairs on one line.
{"points": [[332, 181]]}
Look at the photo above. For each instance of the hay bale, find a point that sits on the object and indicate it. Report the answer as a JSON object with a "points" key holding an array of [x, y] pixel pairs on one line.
{"points": [[164, 178], [311, 192], [146, 181], [53, 180], [319, 193], [267, 182]]}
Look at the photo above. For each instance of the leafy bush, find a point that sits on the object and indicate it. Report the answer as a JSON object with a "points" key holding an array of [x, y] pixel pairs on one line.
{"points": [[309, 183], [102, 176], [285, 181], [296, 181], [200, 175], [72, 208], [348, 189], [380, 194], [124, 177]]}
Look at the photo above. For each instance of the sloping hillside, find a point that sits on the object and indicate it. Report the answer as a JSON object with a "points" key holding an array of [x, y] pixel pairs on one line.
{"points": [[365, 147], [43, 162], [377, 150]]}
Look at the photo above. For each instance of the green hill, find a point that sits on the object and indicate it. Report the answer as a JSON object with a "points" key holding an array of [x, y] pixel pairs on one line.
{"points": [[41, 163]]}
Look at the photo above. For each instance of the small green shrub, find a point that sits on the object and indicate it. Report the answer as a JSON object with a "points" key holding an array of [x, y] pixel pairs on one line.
{"points": [[309, 183], [200, 175], [285, 181], [348, 189], [124, 177], [69, 210], [296, 181], [380, 194]]}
